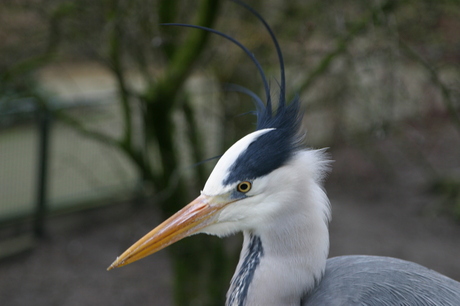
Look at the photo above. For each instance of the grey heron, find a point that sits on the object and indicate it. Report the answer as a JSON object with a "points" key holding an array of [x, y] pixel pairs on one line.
{"points": [[268, 186]]}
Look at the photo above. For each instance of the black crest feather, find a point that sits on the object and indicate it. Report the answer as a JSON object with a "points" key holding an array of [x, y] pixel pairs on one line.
{"points": [[272, 149]]}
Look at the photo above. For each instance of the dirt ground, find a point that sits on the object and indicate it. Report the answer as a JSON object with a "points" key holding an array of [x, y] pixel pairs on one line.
{"points": [[378, 210]]}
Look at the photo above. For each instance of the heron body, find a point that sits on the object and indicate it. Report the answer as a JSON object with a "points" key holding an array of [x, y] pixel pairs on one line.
{"points": [[268, 186], [383, 281]]}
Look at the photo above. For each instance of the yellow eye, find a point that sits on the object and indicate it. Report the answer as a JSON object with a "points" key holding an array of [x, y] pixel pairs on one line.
{"points": [[244, 186]]}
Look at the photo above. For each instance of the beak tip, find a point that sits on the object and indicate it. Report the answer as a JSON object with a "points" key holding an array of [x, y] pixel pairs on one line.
{"points": [[115, 264]]}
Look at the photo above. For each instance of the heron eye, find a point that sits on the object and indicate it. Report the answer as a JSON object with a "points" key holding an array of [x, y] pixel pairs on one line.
{"points": [[244, 186]]}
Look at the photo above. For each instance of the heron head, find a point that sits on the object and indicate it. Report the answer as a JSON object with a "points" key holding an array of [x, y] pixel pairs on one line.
{"points": [[241, 192]]}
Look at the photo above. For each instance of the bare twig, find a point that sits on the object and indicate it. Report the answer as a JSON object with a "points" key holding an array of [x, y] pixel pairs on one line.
{"points": [[447, 96], [115, 60], [134, 154], [343, 43], [83, 130]]}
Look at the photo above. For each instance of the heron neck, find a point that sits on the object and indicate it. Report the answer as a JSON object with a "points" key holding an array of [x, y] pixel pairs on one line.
{"points": [[278, 266]]}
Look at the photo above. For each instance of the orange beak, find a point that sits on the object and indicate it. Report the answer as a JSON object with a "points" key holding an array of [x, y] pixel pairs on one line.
{"points": [[187, 221]]}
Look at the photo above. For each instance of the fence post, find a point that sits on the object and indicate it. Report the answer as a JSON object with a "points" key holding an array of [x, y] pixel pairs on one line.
{"points": [[44, 122]]}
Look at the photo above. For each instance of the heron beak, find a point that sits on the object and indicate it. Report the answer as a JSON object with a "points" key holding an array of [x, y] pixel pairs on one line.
{"points": [[187, 221]]}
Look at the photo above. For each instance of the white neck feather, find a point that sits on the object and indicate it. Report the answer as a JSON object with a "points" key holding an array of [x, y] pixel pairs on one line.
{"points": [[295, 240]]}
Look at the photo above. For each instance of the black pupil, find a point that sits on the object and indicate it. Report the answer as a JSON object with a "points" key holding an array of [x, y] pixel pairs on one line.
{"points": [[244, 186]]}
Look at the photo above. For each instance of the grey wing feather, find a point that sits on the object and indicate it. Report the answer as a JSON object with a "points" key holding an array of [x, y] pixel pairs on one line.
{"points": [[373, 280]]}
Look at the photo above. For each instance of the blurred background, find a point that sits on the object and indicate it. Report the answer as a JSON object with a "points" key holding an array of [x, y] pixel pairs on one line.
{"points": [[105, 115]]}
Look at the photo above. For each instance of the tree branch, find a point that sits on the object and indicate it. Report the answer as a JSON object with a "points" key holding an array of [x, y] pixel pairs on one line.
{"points": [[182, 61], [115, 63]]}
